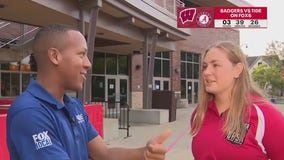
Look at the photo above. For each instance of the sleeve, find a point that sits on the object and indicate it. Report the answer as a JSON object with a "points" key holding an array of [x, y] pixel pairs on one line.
{"points": [[91, 130], [34, 136], [273, 139]]}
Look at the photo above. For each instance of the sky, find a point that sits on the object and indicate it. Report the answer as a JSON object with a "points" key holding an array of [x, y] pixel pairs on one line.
{"points": [[255, 41]]}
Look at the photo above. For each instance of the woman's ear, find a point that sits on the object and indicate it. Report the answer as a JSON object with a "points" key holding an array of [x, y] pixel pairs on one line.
{"points": [[54, 55], [238, 70]]}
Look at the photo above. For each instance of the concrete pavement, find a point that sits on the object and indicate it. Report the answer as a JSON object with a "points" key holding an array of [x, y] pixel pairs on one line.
{"points": [[140, 134]]}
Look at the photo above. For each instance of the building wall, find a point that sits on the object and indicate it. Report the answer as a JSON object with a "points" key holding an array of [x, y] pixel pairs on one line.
{"points": [[160, 3], [136, 85], [175, 74], [169, 5], [199, 40]]}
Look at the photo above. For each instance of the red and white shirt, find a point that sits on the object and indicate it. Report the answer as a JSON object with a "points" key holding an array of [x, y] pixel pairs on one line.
{"points": [[264, 139]]}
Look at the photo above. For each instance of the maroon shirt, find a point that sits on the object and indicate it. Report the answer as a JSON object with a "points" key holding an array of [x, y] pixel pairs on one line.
{"points": [[264, 139]]}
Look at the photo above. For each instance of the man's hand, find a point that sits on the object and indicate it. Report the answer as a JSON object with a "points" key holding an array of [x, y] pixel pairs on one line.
{"points": [[155, 149]]}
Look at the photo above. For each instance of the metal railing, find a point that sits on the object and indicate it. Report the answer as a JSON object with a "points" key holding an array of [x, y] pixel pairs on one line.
{"points": [[117, 110]]}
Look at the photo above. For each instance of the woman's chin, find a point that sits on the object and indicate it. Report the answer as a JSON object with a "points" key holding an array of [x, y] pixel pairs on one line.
{"points": [[209, 90]]}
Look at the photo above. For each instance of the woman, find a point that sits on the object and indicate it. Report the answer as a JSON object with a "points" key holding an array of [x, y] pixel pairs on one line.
{"points": [[233, 121]]}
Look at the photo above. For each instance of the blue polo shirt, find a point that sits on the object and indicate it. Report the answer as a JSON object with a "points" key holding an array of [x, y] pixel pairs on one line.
{"points": [[41, 127]]}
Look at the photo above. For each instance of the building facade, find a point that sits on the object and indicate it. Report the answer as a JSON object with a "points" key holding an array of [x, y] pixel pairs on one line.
{"points": [[135, 46]]}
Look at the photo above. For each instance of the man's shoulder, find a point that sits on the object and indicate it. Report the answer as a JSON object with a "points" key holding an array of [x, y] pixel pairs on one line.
{"points": [[25, 99], [24, 102]]}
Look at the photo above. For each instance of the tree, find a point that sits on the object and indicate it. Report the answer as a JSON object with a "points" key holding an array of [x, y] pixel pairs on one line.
{"points": [[267, 76], [259, 75], [275, 54], [276, 48]]}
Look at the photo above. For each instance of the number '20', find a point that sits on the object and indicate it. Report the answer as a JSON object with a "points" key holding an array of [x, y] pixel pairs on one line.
{"points": [[254, 22]]}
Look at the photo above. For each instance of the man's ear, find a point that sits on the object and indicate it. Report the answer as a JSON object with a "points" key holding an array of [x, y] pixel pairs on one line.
{"points": [[238, 70], [54, 55]]}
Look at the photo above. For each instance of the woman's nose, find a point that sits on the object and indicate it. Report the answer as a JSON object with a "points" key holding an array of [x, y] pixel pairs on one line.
{"points": [[206, 70]]}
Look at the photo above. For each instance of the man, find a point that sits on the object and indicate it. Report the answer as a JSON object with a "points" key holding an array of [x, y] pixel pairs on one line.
{"points": [[44, 123]]}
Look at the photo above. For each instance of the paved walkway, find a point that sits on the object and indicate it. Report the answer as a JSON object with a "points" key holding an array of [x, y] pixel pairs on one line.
{"points": [[140, 134]]}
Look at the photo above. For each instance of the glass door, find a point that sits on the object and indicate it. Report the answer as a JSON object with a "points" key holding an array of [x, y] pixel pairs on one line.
{"points": [[189, 92], [123, 91], [192, 91], [111, 92], [195, 92], [161, 84], [117, 90]]}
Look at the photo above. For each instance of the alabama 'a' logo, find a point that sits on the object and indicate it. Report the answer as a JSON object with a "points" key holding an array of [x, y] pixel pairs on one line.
{"points": [[204, 19]]}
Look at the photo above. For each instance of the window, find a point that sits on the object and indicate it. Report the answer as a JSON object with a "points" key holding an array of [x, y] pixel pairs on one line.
{"points": [[110, 64], [157, 85], [162, 64], [15, 76], [166, 68], [158, 68], [183, 89], [111, 61], [162, 70], [98, 66], [13, 83], [122, 65], [166, 85], [98, 89], [183, 70], [189, 65]]}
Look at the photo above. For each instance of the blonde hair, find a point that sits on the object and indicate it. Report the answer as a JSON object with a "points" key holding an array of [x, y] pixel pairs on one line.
{"points": [[240, 101]]}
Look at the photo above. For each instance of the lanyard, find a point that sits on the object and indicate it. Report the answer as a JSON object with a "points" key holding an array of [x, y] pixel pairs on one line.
{"points": [[177, 139]]}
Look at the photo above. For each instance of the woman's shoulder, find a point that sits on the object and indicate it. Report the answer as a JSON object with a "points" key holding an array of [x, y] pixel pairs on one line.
{"points": [[266, 105], [270, 111]]}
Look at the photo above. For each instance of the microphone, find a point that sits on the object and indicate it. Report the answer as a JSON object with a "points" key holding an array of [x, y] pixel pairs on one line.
{"points": [[73, 120]]}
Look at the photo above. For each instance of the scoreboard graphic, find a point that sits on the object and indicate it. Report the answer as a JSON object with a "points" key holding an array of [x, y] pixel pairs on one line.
{"points": [[222, 17]]}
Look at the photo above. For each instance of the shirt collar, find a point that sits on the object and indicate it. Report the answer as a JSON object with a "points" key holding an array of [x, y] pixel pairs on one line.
{"points": [[212, 107], [41, 93]]}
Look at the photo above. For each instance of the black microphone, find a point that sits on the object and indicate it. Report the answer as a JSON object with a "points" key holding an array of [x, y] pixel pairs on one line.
{"points": [[73, 120]]}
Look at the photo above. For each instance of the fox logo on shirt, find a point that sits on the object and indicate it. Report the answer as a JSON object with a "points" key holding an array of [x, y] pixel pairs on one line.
{"points": [[42, 140], [80, 118]]}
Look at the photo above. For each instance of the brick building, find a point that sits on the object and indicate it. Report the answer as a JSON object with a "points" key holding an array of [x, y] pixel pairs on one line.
{"points": [[129, 36]]}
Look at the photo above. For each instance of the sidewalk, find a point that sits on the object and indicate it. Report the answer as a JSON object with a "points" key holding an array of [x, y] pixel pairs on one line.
{"points": [[140, 134]]}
